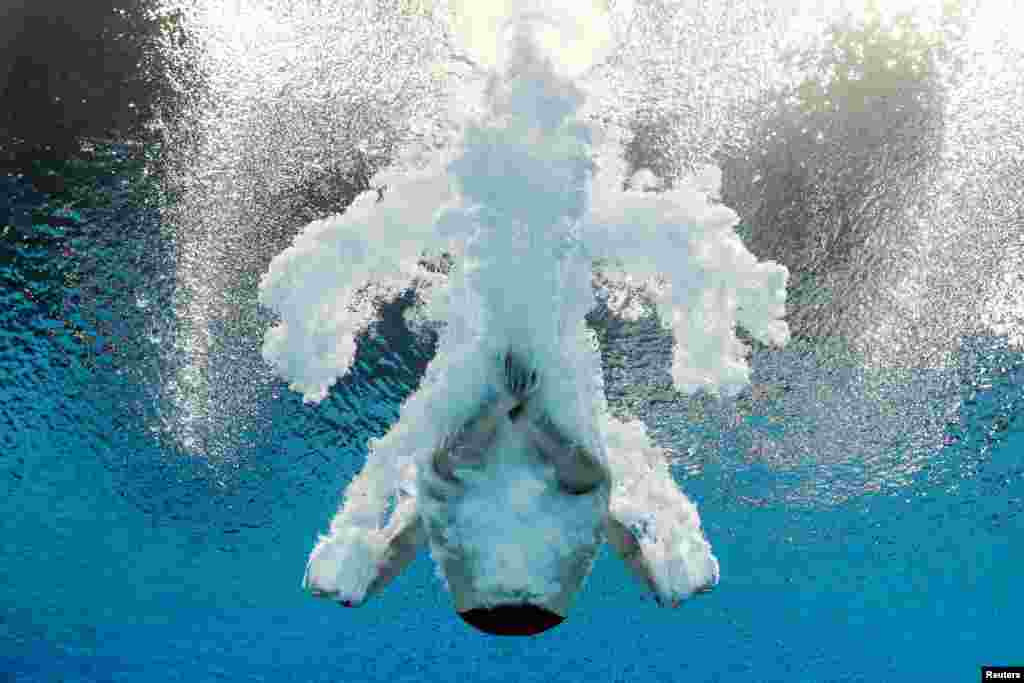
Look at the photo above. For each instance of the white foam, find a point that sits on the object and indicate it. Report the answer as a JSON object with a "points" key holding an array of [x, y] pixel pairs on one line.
{"points": [[576, 34], [646, 499], [524, 202]]}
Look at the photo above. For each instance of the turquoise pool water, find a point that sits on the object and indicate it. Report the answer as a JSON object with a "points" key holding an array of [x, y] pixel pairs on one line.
{"points": [[145, 539]]}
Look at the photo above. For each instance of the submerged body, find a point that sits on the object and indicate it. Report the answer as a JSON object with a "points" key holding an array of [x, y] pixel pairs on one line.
{"points": [[506, 525], [514, 512]]}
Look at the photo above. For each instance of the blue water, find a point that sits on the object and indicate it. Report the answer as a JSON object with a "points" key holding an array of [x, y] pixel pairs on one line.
{"points": [[126, 556]]}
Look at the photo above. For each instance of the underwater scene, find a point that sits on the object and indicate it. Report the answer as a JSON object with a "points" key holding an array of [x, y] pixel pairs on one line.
{"points": [[343, 340]]}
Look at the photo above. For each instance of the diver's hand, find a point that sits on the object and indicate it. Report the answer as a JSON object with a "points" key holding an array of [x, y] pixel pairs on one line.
{"points": [[342, 566], [662, 602], [344, 602], [345, 599], [664, 596], [673, 600], [521, 380]]}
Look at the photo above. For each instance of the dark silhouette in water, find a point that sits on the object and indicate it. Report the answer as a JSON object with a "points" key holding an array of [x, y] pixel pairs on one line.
{"points": [[71, 71], [512, 620]]}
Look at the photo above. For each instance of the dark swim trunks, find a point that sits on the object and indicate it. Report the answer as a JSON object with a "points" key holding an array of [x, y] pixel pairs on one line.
{"points": [[511, 620]]}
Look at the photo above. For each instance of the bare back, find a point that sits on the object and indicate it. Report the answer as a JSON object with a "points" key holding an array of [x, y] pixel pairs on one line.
{"points": [[513, 513]]}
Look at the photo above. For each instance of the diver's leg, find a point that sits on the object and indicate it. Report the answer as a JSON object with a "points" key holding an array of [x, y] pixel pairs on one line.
{"points": [[577, 470], [468, 444]]}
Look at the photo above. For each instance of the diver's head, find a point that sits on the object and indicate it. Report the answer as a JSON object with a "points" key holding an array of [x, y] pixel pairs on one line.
{"points": [[512, 620]]}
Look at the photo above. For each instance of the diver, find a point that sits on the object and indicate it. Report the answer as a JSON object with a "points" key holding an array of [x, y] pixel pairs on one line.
{"points": [[514, 512]]}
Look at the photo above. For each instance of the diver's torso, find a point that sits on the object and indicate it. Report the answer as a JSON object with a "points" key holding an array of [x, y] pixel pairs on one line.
{"points": [[509, 534]]}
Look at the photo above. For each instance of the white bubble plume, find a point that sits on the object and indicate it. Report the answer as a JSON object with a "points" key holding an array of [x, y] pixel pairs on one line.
{"points": [[523, 207], [576, 35]]}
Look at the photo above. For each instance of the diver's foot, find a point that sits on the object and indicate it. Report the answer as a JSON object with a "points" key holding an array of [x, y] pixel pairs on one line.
{"points": [[521, 380]]}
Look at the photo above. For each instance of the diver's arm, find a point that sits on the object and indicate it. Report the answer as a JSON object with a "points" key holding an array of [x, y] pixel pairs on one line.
{"points": [[403, 538], [354, 562], [577, 470], [628, 548], [632, 553]]}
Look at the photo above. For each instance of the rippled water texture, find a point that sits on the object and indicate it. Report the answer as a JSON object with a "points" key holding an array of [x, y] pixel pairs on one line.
{"points": [[161, 487]]}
